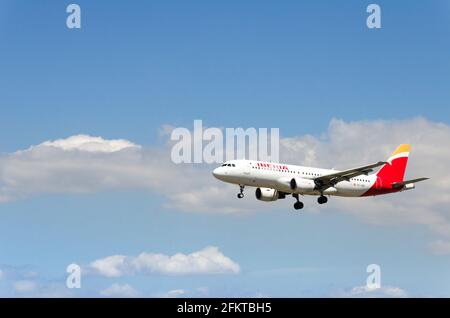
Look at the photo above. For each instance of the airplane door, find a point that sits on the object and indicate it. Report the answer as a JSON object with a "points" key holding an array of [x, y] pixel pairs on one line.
{"points": [[247, 169], [378, 183], [249, 178]]}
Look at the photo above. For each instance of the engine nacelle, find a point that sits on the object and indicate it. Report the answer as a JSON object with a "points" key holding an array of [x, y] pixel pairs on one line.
{"points": [[302, 185], [268, 194]]}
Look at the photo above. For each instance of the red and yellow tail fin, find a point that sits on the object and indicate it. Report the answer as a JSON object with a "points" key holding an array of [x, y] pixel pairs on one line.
{"points": [[394, 170], [402, 151]]}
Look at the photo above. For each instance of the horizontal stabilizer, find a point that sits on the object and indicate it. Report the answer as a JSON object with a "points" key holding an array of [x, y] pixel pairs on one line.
{"points": [[403, 183]]}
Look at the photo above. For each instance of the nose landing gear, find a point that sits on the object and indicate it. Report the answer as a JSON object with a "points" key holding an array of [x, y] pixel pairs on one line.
{"points": [[241, 192], [297, 205]]}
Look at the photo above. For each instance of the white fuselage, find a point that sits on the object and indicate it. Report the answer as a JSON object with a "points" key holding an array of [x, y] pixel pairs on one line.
{"points": [[277, 176]]}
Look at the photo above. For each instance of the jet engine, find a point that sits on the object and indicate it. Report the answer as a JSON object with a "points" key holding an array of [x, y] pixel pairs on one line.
{"points": [[302, 185], [268, 194]]}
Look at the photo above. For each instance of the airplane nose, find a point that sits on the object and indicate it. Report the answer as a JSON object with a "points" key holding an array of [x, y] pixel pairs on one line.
{"points": [[219, 173], [216, 172]]}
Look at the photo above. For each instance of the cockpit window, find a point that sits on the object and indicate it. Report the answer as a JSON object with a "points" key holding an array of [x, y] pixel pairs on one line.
{"points": [[228, 165], [233, 165], [224, 165]]}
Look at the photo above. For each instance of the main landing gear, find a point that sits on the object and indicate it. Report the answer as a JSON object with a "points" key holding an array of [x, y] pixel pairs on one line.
{"points": [[297, 205], [322, 199], [241, 192]]}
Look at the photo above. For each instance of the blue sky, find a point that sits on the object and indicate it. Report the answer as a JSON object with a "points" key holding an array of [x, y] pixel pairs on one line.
{"points": [[134, 67]]}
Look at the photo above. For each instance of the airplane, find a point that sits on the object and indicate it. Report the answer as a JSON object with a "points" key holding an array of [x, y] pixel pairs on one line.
{"points": [[275, 181]]}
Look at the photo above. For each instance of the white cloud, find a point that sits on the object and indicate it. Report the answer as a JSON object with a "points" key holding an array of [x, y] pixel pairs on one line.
{"points": [[74, 167], [349, 144], [173, 293], [24, 286], [25, 281], [111, 266], [79, 169], [90, 144], [84, 164], [365, 292], [119, 290], [200, 292], [440, 247], [206, 261]]}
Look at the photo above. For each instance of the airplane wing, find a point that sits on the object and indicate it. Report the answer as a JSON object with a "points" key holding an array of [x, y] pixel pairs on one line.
{"points": [[330, 180], [403, 183]]}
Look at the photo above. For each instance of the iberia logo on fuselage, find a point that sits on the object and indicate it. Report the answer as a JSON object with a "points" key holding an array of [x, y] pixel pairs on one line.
{"points": [[272, 166]]}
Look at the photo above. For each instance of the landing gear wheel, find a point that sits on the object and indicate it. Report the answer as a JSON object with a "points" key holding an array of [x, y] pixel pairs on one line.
{"points": [[322, 199], [298, 205], [241, 192]]}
